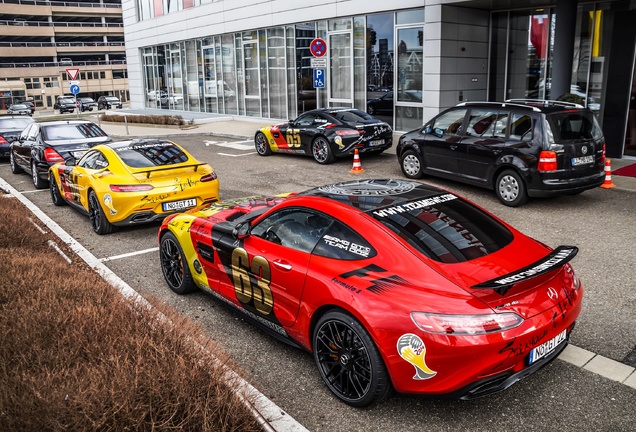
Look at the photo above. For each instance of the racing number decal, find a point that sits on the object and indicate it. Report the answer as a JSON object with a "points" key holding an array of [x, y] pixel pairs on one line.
{"points": [[292, 136], [246, 291]]}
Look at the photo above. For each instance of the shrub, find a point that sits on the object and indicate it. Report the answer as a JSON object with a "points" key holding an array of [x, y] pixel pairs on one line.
{"points": [[168, 120]]}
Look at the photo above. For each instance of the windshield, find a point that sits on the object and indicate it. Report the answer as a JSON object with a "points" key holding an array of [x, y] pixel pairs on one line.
{"points": [[445, 228], [112, 99], [72, 131], [573, 125]]}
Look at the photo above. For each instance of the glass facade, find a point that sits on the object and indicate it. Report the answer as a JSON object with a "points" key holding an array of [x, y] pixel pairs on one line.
{"points": [[268, 72]]}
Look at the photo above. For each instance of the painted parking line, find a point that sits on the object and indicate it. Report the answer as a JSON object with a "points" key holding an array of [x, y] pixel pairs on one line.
{"points": [[129, 254], [238, 155], [237, 145]]}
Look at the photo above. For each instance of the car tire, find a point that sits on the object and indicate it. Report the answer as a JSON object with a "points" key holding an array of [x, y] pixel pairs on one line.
{"points": [[174, 267], [510, 189], [261, 144], [370, 110], [412, 164], [345, 354], [56, 197], [321, 151], [37, 181], [15, 168], [96, 214]]}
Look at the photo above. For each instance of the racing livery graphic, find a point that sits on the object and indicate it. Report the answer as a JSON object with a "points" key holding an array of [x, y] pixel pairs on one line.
{"points": [[132, 182], [326, 134], [390, 284]]}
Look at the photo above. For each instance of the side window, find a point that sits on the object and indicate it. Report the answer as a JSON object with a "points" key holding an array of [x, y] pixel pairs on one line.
{"points": [[306, 120], [25, 132], [294, 228], [341, 242], [521, 127], [451, 121], [33, 133], [487, 124], [93, 160]]}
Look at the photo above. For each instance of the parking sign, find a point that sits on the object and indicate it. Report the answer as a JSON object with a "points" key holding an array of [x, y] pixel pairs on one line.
{"points": [[319, 78]]}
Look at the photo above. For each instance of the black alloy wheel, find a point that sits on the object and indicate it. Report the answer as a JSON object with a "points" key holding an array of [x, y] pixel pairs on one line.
{"points": [[321, 151], [100, 224], [56, 197], [37, 181], [15, 168], [174, 266], [262, 146], [348, 360]]}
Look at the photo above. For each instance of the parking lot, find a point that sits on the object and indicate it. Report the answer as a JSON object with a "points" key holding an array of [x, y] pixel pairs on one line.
{"points": [[562, 396]]}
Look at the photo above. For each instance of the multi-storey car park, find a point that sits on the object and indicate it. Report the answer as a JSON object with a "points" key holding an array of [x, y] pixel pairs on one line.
{"points": [[40, 40]]}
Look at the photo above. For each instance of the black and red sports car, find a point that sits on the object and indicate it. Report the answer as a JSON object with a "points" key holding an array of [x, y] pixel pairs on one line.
{"points": [[325, 134], [389, 283]]}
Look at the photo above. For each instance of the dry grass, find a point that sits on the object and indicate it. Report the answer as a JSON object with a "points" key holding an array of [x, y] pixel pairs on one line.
{"points": [[74, 355], [165, 120]]}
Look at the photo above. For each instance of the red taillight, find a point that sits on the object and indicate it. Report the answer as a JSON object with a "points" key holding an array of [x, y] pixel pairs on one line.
{"points": [[130, 188], [349, 132], [50, 155], [547, 161], [465, 324], [209, 177], [3, 141]]}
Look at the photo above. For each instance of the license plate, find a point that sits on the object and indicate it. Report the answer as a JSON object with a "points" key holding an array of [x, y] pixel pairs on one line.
{"points": [[179, 205], [582, 160], [376, 143], [546, 348]]}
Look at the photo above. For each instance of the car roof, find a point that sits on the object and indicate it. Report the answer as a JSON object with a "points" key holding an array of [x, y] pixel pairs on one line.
{"points": [[372, 194], [64, 122], [536, 105]]}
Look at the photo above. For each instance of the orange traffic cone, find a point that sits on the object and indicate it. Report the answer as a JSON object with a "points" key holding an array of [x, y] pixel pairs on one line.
{"points": [[357, 168], [607, 184]]}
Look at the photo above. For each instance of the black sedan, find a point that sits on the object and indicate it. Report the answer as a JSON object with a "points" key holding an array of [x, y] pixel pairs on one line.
{"points": [[382, 104], [10, 128], [41, 145], [20, 109], [325, 134]]}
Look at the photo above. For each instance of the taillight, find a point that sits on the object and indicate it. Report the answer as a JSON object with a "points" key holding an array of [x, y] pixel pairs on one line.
{"points": [[50, 155], [547, 161], [130, 188], [603, 158], [349, 132], [465, 324], [209, 177], [3, 141]]}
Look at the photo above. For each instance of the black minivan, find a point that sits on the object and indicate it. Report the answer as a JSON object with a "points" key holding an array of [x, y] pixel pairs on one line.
{"points": [[520, 148]]}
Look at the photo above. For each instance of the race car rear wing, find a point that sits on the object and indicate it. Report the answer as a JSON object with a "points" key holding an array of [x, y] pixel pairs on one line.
{"points": [[150, 171], [555, 259]]}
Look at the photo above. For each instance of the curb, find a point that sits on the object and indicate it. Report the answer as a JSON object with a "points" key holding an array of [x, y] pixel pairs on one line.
{"points": [[271, 417]]}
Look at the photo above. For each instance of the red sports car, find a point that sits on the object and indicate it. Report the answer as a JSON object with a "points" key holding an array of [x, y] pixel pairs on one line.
{"points": [[389, 283]]}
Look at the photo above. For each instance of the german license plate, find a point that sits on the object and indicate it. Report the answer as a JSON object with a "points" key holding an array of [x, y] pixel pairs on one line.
{"points": [[179, 205], [582, 160], [546, 348], [376, 143]]}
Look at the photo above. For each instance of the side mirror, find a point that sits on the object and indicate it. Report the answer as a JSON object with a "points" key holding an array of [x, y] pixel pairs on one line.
{"points": [[438, 132], [241, 230]]}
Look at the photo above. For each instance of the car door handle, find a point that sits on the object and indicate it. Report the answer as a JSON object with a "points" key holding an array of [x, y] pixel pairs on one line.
{"points": [[283, 265], [453, 147]]}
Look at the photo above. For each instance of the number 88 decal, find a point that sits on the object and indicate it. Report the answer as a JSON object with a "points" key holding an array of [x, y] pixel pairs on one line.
{"points": [[245, 290]]}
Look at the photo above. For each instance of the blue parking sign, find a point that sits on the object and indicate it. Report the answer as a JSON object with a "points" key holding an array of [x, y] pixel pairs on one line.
{"points": [[75, 89], [319, 78]]}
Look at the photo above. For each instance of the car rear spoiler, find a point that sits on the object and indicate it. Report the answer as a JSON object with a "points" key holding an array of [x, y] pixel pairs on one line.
{"points": [[556, 258], [150, 171]]}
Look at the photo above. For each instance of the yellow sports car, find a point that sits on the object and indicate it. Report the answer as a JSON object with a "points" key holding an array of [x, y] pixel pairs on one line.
{"points": [[130, 182]]}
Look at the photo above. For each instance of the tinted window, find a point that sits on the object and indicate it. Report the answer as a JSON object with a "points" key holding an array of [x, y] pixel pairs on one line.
{"points": [[521, 127], [294, 228], [93, 160], [445, 228], [156, 153], [451, 121], [573, 125], [341, 242], [351, 116], [72, 131]]}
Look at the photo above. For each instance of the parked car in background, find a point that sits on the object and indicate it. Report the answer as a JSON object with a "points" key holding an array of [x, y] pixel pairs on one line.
{"points": [[520, 148], [65, 104], [171, 99], [154, 95], [19, 109], [325, 134], [41, 145], [390, 284], [88, 103], [132, 182], [30, 104], [108, 102], [382, 104], [10, 128]]}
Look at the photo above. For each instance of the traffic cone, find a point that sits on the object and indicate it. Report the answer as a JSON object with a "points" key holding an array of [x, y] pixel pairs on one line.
{"points": [[607, 184], [357, 168]]}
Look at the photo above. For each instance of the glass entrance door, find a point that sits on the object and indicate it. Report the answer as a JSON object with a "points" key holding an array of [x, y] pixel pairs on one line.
{"points": [[408, 78], [251, 79]]}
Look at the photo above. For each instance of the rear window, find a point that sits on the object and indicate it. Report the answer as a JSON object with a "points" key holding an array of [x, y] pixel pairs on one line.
{"points": [[573, 125], [445, 228], [72, 131], [351, 116], [146, 155], [15, 123]]}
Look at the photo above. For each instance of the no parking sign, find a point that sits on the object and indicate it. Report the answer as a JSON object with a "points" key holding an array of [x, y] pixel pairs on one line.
{"points": [[318, 47]]}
